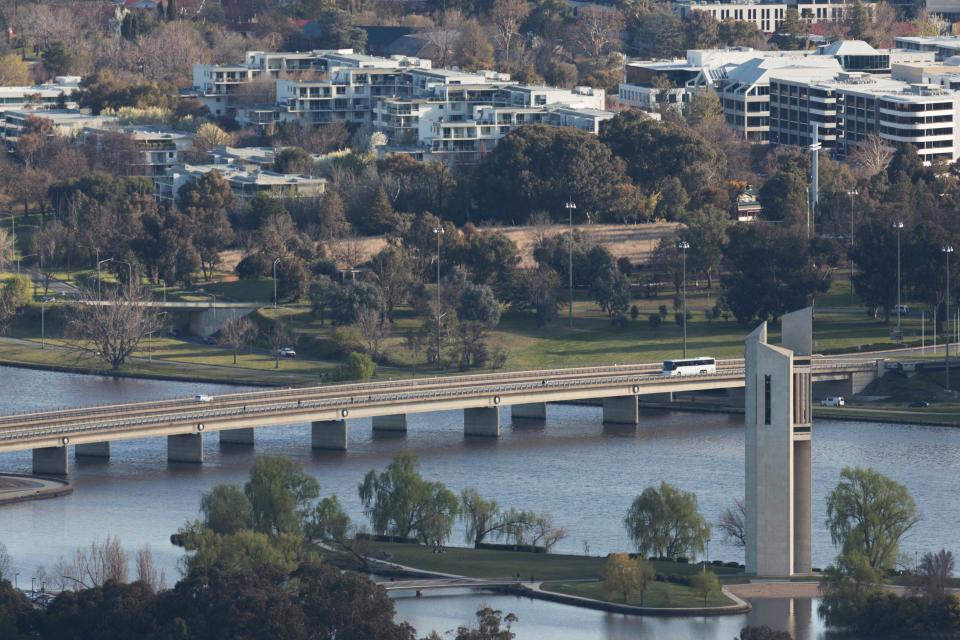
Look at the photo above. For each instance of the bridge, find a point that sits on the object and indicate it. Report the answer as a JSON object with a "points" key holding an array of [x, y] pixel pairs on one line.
{"points": [[446, 583], [185, 421]]}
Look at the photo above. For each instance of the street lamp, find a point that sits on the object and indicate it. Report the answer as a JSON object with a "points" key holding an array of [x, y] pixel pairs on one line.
{"points": [[105, 261], [275, 262], [851, 193], [29, 255], [683, 245], [438, 231], [570, 206], [43, 322], [214, 302], [164, 283], [898, 225], [947, 250]]}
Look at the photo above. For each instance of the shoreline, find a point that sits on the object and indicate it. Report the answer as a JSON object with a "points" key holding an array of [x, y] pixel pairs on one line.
{"points": [[22, 487]]}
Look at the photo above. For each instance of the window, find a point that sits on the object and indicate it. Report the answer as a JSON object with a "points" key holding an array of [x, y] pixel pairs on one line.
{"points": [[766, 399]]}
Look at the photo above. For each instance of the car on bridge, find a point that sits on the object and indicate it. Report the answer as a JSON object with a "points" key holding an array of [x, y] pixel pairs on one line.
{"points": [[832, 402]]}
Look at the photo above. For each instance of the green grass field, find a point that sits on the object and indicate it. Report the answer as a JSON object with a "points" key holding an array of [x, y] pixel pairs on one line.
{"points": [[664, 595]]}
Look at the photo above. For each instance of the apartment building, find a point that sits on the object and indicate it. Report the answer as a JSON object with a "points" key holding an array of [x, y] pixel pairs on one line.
{"points": [[243, 184], [63, 122], [160, 147], [767, 16], [942, 47], [58, 94]]}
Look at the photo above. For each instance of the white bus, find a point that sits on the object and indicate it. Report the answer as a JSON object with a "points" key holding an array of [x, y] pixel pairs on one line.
{"points": [[689, 367]]}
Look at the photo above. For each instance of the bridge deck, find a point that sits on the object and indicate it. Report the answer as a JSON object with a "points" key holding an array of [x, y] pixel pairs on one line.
{"points": [[337, 402]]}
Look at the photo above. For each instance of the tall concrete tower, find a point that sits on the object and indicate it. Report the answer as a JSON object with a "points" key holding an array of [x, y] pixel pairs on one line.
{"points": [[778, 466]]}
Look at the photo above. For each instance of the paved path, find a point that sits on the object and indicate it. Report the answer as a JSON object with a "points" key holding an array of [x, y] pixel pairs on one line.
{"points": [[19, 488]]}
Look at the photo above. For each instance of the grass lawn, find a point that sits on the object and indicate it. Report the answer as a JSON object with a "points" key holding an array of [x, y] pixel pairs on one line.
{"points": [[493, 563], [658, 594]]}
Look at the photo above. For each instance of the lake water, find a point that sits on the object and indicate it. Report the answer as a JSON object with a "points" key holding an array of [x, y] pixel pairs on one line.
{"points": [[572, 466]]}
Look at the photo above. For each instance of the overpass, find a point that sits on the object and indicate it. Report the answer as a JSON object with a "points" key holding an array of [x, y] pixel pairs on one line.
{"points": [[184, 421]]}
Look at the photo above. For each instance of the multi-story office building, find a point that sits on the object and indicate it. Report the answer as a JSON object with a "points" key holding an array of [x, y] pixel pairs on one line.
{"points": [[942, 47], [844, 110]]}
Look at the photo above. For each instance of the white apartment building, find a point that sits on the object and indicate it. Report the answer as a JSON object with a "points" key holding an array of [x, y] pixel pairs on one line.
{"points": [[426, 112], [56, 94], [767, 16]]}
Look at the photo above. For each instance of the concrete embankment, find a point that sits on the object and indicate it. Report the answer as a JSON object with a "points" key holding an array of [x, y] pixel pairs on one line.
{"points": [[20, 488]]}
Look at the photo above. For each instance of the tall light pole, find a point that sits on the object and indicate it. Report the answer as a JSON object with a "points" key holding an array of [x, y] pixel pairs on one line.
{"points": [[947, 250], [275, 282], [570, 206], [438, 231], [105, 261], [851, 193], [898, 225], [683, 245]]}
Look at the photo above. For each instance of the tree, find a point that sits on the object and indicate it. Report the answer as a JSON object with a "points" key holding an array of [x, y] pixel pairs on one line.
{"points": [[666, 522], [535, 289], [237, 333], [394, 270], [226, 509], [6, 563], [481, 517], [7, 249], [871, 155], [707, 232], [207, 137], [280, 494], [294, 160], [792, 33], [399, 502], [359, 366], [79, 615], [536, 168], [857, 20], [477, 303], [732, 524], [876, 242], [323, 292], [507, 18], [702, 30], [371, 327], [784, 198], [488, 626], [868, 514], [57, 59], [113, 326], [706, 584], [611, 290], [207, 202], [472, 49], [625, 576], [762, 632], [598, 30], [770, 271], [13, 71], [934, 575]]}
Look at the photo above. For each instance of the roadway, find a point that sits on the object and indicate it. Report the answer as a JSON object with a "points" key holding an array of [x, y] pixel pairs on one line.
{"points": [[243, 410]]}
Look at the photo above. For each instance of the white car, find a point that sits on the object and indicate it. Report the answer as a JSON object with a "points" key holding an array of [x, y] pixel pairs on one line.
{"points": [[287, 352], [832, 402], [902, 308], [202, 397]]}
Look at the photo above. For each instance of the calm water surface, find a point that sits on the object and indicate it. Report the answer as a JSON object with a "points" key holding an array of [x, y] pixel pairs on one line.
{"points": [[584, 474]]}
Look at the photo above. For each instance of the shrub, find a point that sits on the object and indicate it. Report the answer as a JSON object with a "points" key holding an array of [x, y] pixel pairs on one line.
{"points": [[634, 312], [347, 340], [662, 310], [655, 321], [359, 366]]}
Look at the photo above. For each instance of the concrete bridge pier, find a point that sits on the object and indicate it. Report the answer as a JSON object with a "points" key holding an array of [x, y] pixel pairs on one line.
{"points": [[92, 450], [396, 423], [187, 447], [531, 411], [237, 436], [50, 461], [482, 421], [329, 434], [623, 410]]}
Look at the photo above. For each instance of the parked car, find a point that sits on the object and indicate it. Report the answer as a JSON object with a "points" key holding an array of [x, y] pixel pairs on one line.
{"points": [[287, 352], [920, 403], [902, 308], [202, 397], [832, 402]]}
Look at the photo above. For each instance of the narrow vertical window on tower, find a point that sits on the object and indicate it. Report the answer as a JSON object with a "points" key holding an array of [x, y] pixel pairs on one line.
{"points": [[766, 399]]}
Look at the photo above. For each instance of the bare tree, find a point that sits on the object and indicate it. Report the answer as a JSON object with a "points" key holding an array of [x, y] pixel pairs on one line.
{"points": [[260, 91], [444, 37], [598, 29], [871, 156], [147, 571], [279, 337], [6, 562], [544, 533], [236, 333], [732, 524], [934, 573], [6, 249], [94, 566], [112, 328], [507, 17], [371, 327]]}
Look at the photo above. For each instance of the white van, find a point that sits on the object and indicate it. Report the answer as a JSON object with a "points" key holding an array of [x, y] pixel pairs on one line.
{"points": [[832, 402]]}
